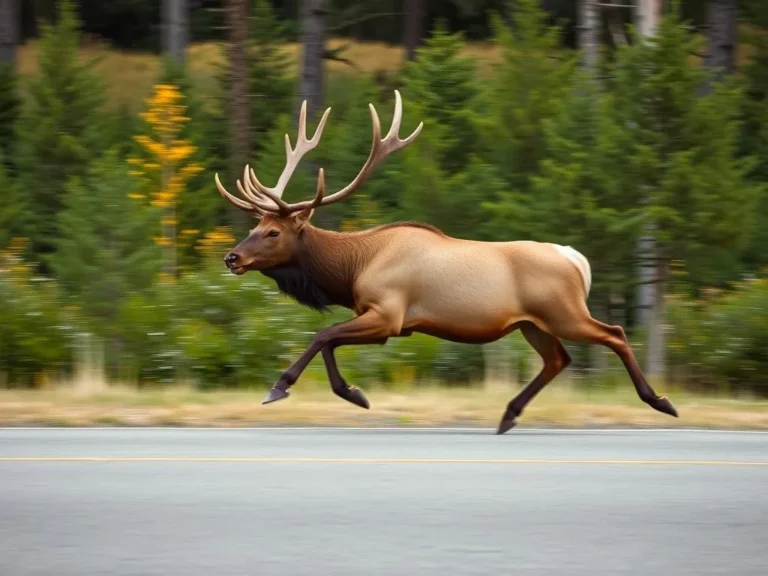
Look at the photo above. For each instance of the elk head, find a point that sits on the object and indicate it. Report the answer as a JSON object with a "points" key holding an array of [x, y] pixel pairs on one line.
{"points": [[275, 240]]}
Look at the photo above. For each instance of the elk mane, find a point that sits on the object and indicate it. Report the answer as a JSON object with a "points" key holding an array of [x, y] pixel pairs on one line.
{"points": [[296, 281], [323, 272]]}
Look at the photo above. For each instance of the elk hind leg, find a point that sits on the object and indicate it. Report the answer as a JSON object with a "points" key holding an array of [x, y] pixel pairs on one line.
{"points": [[587, 329], [555, 358]]}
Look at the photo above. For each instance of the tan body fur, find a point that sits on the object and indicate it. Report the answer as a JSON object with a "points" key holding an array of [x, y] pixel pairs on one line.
{"points": [[400, 271], [409, 277]]}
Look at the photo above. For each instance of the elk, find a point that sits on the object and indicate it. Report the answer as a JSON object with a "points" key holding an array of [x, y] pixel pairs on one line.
{"points": [[408, 277]]}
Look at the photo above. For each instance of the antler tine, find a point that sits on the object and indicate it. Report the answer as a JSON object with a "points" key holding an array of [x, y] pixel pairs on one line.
{"points": [[292, 158], [257, 196], [320, 188], [252, 208], [380, 149], [253, 200], [257, 193]]}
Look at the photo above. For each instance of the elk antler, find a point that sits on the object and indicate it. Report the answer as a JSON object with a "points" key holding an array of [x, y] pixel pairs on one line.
{"points": [[262, 199]]}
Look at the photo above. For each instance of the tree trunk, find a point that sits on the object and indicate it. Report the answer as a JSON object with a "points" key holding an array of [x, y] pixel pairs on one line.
{"points": [[175, 28], [9, 30], [589, 34], [313, 15], [240, 110], [721, 37], [656, 353], [414, 27], [237, 23], [648, 13], [651, 292]]}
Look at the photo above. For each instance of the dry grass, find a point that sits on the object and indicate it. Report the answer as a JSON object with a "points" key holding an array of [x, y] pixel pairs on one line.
{"points": [[561, 404]]}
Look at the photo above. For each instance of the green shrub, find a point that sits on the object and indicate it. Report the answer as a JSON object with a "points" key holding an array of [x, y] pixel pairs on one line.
{"points": [[721, 341]]}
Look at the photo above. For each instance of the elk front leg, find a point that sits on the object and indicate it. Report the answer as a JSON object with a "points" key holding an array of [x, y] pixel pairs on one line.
{"points": [[339, 386], [372, 325]]}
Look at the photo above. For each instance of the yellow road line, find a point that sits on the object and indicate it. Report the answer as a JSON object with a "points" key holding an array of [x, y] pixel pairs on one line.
{"points": [[320, 460]]}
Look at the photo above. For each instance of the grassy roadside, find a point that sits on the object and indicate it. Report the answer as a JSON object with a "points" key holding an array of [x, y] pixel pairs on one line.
{"points": [[314, 403]]}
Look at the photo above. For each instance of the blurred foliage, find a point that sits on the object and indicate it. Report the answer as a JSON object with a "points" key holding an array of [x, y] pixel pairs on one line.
{"points": [[720, 341], [37, 327], [103, 255], [10, 105], [60, 127], [539, 149]]}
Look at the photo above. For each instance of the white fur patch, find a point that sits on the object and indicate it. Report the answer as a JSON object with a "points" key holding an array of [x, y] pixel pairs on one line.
{"points": [[582, 264]]}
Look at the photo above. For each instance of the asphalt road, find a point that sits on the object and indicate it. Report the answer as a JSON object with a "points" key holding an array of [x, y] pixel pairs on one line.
{"points": [[327, 502]]}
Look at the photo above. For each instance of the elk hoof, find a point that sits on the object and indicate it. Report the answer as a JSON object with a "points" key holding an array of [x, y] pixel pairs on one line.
{"points": [[356, 396], [506, 424], [274, 395], [662, 404]]}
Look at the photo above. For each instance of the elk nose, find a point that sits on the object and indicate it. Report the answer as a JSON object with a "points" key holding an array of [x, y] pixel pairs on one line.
{"points": [[230, 258]]}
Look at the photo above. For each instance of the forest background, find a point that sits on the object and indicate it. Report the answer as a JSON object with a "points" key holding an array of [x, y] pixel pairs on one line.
{"points": [[636, 131]]}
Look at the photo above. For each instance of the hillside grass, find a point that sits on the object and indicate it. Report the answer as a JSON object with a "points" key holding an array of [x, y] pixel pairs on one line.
{"points": [[129, 76]]}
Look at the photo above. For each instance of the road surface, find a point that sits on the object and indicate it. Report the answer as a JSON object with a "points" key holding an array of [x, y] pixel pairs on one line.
{"points": [[329, 502]]}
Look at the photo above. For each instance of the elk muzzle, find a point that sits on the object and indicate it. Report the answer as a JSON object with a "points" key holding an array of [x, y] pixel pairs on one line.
{"points": [[234, 263]]}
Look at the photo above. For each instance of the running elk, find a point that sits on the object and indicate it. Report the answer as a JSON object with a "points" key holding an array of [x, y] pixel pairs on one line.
{"points": [[409, 277]]}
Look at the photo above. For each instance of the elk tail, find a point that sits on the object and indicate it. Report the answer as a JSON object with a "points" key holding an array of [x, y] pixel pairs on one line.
{"points": [[582, 265]]}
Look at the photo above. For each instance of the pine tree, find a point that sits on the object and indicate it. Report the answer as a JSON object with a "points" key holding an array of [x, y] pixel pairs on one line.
{"points": [[432, 176], [682, 168], [755, 138], [10, 106], [442, 91], [270, 88], [60, 127], [12, 213], [104, 250], [528, 86]]}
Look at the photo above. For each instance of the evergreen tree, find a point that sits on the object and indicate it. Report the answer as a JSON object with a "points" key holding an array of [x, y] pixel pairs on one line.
{"points": [[60, 127], [429, 179], [12, 213], [442, 91], [528, 86], [270, 88], [9, 111], [755, 137], [104, 250], [682, 169]]}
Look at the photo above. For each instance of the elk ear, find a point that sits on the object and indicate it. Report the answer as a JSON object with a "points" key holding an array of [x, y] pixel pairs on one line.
{"points": [[302, 218]]}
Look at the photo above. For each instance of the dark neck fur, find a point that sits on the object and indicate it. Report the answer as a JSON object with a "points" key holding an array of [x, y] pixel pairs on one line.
{"points": [[323, 271], [327, 263]]}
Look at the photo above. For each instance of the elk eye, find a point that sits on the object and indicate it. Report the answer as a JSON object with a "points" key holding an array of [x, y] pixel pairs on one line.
{"points": [[273, 233]]}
